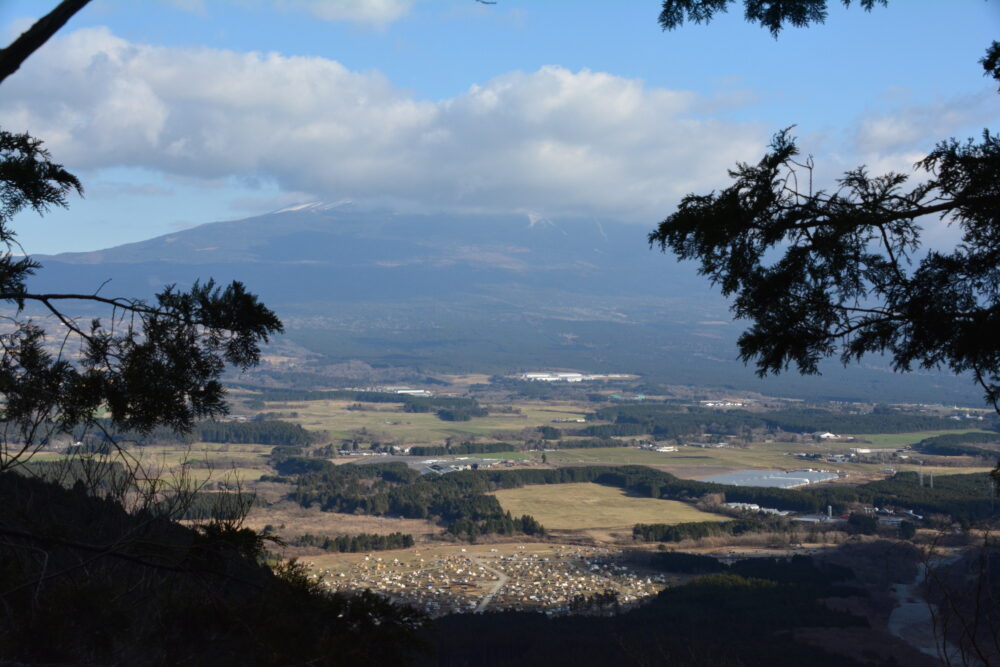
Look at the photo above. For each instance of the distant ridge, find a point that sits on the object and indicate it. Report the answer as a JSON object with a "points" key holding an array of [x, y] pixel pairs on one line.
{"points": [[493, 293]]}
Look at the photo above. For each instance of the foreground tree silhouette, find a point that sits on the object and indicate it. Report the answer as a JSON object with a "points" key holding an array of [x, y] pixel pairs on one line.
{"points": [[842, 273], [148, 364], [100, 573]]}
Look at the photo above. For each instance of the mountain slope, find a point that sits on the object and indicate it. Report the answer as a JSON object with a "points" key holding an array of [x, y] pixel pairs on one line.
{"points": [[490, 293]]}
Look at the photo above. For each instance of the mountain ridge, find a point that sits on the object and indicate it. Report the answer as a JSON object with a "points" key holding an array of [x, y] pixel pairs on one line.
{"points": [[486, 292]]}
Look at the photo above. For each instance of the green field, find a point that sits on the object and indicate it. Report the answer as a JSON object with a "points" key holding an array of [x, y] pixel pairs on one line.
{"points": [[595, 507]]}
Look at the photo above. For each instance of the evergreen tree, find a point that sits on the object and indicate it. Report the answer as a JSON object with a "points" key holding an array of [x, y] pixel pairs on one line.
{"points": [[838, 273]]}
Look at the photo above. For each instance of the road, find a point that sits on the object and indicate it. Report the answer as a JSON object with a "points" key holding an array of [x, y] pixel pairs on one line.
{"points": [[913, 620], [502, 579]]}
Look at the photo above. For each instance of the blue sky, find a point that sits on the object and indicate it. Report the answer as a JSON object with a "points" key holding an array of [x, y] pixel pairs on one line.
{"points": [[185, 112]]}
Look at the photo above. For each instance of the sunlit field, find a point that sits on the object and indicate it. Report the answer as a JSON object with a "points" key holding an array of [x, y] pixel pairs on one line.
{"points": [[594, 506]]}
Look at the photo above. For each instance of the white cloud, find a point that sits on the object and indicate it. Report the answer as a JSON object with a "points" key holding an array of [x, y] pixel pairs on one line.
{"points": [[372, 12], [917, 127], [551, 141]]}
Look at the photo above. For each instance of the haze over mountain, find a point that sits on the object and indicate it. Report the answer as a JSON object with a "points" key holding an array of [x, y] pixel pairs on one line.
{"points": [[476, 292]]}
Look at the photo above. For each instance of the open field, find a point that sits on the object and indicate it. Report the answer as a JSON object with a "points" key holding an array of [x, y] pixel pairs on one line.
{"points": [[510, 456], [221, 474], [170, 456], [594, 509], [289, 520], [388, 422], [467, 379]]}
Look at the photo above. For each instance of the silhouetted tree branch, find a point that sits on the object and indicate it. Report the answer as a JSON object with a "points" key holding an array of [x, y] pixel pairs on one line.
{"points": [[12, 57]]}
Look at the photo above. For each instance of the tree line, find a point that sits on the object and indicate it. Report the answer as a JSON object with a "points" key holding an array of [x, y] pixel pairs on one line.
{"points": [[355, 543], [271, 432], [694, 530], [463, 448]]}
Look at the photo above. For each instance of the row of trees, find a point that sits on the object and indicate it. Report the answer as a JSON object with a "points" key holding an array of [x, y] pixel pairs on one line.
{"points": [[253, 432], [463, 448], [694, 530], [354, 543]]}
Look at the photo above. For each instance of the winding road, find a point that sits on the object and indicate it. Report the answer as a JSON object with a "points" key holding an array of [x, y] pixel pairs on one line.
{"points": [[913, 621]]}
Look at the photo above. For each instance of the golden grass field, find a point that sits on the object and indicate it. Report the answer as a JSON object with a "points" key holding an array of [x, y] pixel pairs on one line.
{"points": [[289, 520], [586, 506], [210, 461], [389, 422]]}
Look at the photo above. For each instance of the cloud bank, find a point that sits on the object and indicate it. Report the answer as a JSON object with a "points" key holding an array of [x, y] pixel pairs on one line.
{"points": [[552, 141]]}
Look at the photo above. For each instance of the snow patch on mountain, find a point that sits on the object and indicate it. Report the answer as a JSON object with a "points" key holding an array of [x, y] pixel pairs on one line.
{"points": [[314, 206]]}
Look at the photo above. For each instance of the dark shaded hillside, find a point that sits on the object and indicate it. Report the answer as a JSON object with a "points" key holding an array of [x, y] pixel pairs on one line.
{"points": [[84, 582], [719, 620]]}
